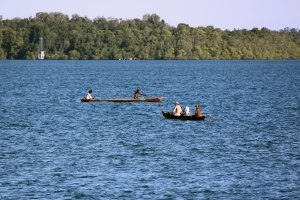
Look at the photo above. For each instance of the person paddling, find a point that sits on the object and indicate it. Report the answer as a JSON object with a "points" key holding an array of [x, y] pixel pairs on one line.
{"points": [[137, 93], [89, 95]]}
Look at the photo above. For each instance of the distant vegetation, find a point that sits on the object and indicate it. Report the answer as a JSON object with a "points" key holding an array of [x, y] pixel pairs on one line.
{"points": [[149, 38]]}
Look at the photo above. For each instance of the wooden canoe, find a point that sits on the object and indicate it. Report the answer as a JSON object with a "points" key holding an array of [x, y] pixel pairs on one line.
{"points": [[155, 99], [169, 115]]}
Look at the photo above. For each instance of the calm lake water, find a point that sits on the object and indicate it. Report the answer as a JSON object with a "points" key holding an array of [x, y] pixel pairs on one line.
{"points": [[52, 146]]}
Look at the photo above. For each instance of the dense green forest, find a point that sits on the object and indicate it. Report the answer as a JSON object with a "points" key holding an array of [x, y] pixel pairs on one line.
{"points": [[149, 38]]}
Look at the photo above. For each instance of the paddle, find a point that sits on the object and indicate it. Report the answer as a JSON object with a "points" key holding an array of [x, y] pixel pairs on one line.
{"points": [[143, 94]]}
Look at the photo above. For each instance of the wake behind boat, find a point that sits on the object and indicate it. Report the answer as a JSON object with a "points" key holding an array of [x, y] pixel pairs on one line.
{"points": [[155, 99]]}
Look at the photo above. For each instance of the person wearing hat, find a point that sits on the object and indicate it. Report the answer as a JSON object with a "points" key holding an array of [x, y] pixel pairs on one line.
{"points": [[198, 111], [89, 95], [177, 109]]}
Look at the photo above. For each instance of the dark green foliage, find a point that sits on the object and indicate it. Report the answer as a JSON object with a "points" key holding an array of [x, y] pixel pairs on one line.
{"points": [[149, 38]]}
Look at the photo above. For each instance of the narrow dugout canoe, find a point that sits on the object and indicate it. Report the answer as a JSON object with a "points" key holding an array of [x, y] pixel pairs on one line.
{"points": [[169, 115], [155, 99]]}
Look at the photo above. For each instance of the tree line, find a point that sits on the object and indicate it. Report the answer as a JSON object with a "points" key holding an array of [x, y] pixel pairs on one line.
{"points": [[149, 38]]}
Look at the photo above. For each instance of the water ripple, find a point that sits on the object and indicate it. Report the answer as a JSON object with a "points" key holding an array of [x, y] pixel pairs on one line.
{"points": [[54, 147]]}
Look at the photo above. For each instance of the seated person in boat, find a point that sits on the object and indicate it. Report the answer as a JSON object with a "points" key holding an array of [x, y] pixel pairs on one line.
{"points": [[198, 111], [177, 109], [89, 95], [186, 111], [137, 93]]}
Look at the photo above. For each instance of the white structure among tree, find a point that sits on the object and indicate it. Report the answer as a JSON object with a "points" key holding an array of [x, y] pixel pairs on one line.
{"points": [[41, 50]]}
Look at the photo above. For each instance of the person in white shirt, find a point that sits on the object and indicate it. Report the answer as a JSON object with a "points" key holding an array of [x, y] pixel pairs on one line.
{"points": [[89, 95], [186, 111], [177, 109]]}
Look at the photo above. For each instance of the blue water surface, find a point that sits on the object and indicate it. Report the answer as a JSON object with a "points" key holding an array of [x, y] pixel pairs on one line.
{"points": [[52, 146]]}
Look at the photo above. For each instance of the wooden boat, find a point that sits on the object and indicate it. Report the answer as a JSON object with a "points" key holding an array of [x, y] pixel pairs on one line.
{"points": [[169, 115], [155, 99]]}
